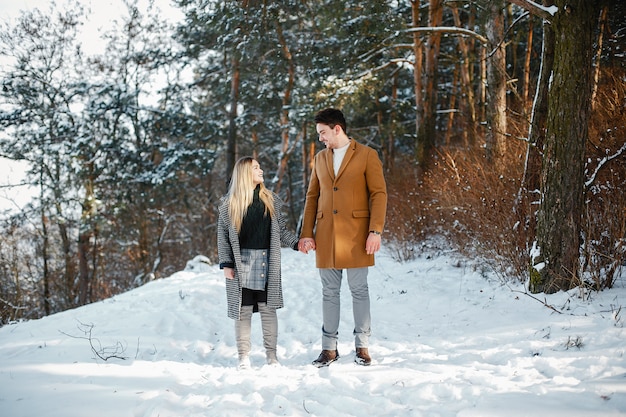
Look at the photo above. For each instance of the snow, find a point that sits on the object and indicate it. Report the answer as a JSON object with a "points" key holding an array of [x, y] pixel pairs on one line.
{"points": [[449, 339], [550, 9], [15, 192]]}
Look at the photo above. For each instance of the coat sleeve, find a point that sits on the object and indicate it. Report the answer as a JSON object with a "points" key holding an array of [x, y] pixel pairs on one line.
{"points": [[310, 204], [224, 248], [377, 188], [287, 237]]}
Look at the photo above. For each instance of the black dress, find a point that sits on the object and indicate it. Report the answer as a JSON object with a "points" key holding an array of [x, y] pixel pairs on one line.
{"points": [[255, 234]]}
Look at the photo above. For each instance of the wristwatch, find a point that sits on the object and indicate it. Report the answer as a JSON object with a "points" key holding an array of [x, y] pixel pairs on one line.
{"points": [[375, 232]]}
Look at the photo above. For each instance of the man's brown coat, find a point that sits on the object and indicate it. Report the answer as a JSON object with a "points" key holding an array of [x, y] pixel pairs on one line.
{"points": [[341, 210]]}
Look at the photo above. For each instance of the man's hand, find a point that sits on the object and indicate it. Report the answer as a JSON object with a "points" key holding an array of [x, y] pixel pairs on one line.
{"points": [[306, 244], [372, 245], [229, 273]]}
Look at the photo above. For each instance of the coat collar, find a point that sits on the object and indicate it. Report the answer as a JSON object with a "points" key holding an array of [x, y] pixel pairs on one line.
{"points": [[329, 159]]}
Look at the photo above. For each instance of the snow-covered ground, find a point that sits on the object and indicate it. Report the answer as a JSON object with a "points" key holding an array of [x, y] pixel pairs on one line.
{"points": [[449, 339]]}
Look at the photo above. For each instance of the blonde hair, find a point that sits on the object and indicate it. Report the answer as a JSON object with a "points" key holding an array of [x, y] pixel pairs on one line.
{"points": [[241, 193]]}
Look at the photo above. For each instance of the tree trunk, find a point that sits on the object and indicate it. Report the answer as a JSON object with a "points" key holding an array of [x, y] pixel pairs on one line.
{"points": [[231, 146], [559, 231], [598, 59], [529, 52], [69, 273], [428, 131], [466, 83], [286, 104], [528, 194], [496, 87], [451, 106], [85, 234], [83, 268], [417, 70], [45, 243], [389, 151], [482, 86]]}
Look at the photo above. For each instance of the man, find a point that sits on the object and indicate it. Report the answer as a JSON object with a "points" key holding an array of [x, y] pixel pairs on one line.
{"points": [[344, 215]]}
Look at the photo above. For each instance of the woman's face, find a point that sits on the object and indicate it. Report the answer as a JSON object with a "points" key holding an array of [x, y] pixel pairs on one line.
{"points": [[257, 173]]}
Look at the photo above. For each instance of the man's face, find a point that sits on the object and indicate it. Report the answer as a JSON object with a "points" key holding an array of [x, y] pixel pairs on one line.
{"points": [[328, 135]]}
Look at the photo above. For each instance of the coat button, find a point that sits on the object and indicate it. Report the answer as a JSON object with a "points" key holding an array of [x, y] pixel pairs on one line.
{"points": [[335, 188], [334, 211]]}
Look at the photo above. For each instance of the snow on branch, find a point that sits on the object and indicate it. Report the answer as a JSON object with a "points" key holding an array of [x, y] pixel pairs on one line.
{"points": [[603, 162], [391, 62], [544, 12]]}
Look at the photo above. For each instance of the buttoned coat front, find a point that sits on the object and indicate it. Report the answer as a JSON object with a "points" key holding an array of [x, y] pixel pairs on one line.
{"points": [[229, 252], [340, 210]]}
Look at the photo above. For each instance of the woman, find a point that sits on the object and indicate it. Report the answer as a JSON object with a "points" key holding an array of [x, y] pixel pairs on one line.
{"points": [[251, 231]]}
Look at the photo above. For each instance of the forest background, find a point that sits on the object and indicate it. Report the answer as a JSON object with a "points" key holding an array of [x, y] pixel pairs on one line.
{"points": [[501, 126]]}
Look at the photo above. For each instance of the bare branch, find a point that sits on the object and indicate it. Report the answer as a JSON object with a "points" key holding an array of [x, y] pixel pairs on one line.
{"points": [[14, 307], [544, 302], [105, 353], [450, 29], [21, 184]]}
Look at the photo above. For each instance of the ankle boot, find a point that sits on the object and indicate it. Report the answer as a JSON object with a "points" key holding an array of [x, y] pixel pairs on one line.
{"points": [[269, 323], [242, 335]]}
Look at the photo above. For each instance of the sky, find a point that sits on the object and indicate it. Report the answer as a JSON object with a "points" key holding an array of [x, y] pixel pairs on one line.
{"points": [[14, 196], [102, 13], [102, 10], [449, 339]]}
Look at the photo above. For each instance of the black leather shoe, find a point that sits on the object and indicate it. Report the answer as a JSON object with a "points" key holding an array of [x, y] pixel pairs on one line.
{"points": [[326, 358]]}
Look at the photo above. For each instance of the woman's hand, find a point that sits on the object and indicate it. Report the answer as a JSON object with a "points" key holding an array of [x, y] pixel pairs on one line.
{"points": [[229, 273]]}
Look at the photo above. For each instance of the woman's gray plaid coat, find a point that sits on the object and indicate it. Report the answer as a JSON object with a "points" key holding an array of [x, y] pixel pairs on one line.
{"points": [[229, 252]]}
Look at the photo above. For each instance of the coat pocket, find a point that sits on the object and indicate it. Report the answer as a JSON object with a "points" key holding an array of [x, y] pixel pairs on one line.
{"points": [[360, 213]]}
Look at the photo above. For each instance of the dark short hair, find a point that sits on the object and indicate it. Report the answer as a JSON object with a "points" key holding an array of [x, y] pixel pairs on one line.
{"points": [[331, 117]]}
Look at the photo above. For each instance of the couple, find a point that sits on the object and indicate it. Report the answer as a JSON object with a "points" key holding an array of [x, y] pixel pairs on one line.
{"points": [[344, 214]]}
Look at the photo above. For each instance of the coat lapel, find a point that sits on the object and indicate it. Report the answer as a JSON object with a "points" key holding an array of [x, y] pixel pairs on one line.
{"points": [[329, 163], [346, 158]]}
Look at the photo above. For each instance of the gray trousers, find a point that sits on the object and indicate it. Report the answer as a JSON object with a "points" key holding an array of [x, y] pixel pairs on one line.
{"points": [[331, 291], [269, 325]]}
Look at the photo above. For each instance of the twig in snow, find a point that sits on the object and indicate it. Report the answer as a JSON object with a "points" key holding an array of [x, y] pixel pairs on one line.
{"points": [[105, 353], [544, 302]]}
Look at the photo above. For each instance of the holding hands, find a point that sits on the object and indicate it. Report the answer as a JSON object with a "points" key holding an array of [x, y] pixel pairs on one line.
{"points": [[372, 245], [306, 244]]}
